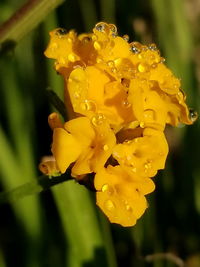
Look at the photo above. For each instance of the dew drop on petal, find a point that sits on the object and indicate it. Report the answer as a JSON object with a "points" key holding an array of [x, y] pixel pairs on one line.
{"points": [[97, 45], [125, 104], [110, 63], [97, 119], [114, 70], [113, 29], [135, 48], [109, 205], [105, 147], [105, 188], [76, 95], [142, 124], [88, 105], [142, 67], [134, 169], [193, 115], [153, 47], [61, 31], [126, 37], [162, 60], [100, 26], [71, 58], [128, 208], [69, 40]]}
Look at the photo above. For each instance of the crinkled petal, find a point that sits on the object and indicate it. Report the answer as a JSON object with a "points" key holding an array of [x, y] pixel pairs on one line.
{"points": [[120, 199], [145, 155]]}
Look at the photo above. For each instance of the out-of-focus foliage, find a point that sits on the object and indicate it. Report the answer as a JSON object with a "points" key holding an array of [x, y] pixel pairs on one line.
{"points": [[62, 226]]}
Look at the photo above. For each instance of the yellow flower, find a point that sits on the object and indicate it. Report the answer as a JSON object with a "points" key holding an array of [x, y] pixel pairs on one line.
{"points": [[122, 95], [121, 196], [88, 145]]}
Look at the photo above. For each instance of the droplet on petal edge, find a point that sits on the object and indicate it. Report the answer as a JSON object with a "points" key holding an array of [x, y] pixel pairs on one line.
{"points": [[193, 115], [105, 188], [126, 37], [100, 26]]}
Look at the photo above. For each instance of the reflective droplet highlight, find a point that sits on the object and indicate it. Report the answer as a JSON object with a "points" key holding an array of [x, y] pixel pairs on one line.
{"points": [[142, 67], [100, 27], [109, 205], [97, 119], [126, 37], [105, 188], [105, 147], [97, 45], [193, 115], [88, 105]]}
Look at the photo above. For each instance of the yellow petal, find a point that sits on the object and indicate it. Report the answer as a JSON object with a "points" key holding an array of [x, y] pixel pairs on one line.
{"points": [[120, 199], [81, 128], [65, 148]]}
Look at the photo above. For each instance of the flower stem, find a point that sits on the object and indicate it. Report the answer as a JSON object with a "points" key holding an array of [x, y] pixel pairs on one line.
{"points": [[25, 19], [30, 188]]}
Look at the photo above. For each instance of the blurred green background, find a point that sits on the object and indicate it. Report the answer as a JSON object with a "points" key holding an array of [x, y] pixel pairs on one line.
{"points": [[62, 226]]}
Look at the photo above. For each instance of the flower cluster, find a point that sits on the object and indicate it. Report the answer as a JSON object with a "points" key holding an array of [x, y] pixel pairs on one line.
{"points": [[122, 96]]}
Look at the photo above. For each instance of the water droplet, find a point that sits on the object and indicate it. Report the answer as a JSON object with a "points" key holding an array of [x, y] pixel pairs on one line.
{"points": [[142, 67], [113, 29], [69, 40], [142, 124], [147, 165], [109, 205], [149, 114], [105, 147], [125, 104], [126, 37], [97, 45], [76, 95], [153, 47], [98, 119], [61, 31], [154, 65], [110, 63], [193, 115], [86, 39], [105, 188], [135, 48], [101, 26], [134, 169], [162, 60], [71, 58], [99, 60], [88, 105], [114, 70], [128, 208]]}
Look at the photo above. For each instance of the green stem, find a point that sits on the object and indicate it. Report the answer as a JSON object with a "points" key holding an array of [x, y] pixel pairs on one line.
{"points": [[25, 19], [43, 183]]}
